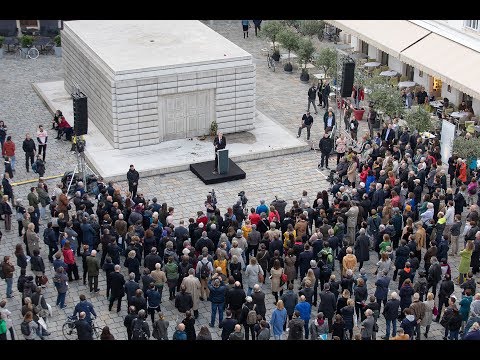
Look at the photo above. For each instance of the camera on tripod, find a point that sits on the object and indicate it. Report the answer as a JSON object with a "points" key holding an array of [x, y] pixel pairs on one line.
{"points": [[243, 198], [80, 143], [214, 197]]}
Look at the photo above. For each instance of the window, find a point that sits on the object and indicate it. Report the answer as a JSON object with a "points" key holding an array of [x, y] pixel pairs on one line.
{"points": [[472, 24], [420, 73], [384, 58], [449, 89], [409, 72], [364, 47]]}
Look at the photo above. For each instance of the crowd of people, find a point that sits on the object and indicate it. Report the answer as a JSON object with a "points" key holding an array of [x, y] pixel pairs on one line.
{"points": [[391, 205]]}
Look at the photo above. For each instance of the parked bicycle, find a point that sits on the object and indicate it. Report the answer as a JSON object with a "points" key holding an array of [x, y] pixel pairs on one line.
{"points": [[270, 62], [70, 332], [27, 53]]}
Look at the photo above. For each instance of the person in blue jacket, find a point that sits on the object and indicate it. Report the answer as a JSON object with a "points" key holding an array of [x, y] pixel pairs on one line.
{"points": [[304, 308], [279, 317]]}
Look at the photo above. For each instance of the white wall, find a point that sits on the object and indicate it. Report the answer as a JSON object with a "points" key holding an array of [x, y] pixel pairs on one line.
{"points": [[372, 51], [454, 96], [422, 81], [476, 106], [354, 43], [395, 64]]}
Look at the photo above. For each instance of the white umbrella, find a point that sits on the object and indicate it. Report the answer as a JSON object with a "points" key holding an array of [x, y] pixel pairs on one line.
{"points": [[372, 64], [388, 73], [406, 84]]}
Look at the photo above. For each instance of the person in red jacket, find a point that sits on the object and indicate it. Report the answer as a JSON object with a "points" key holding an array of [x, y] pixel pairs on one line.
{"points": [[64, 128], [461, 171], [9, 150]]}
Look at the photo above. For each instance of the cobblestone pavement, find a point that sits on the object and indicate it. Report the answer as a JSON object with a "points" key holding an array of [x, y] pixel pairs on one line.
{"points": [[280, 95]]}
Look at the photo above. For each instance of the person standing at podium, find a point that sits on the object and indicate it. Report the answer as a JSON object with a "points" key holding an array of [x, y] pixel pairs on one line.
{"points": [[219, 143]]}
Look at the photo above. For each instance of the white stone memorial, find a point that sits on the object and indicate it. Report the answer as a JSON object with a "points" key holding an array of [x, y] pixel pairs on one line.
{"points": [[149, 81]]}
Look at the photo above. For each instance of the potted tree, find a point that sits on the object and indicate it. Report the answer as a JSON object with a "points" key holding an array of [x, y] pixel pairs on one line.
{"points": [[327, 61], [271, 30], [386, 98], [305, 53], [312, 28], [1, 46], [26, 41], [290, 41], [58, 45], [466, 147], [419, 120]]}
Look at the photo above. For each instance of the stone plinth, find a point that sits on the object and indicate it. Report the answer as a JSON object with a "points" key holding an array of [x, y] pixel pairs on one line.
{"points": [[149, 81]]}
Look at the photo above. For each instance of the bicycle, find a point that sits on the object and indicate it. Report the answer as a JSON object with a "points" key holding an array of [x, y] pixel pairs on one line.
{"points": [[31, 53], [270, 62], [70, 332]]}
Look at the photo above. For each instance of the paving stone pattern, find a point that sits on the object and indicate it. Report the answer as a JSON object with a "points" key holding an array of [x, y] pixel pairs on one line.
{"points": [[281, 96]]}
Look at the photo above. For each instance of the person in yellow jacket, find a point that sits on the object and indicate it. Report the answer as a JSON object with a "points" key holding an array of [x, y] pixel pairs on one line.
{"points": [[349, 261], [247, 228], [221, 263]]}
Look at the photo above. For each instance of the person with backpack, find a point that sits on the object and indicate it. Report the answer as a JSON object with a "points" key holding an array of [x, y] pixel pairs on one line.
{"points": [[296, 326], [140, 328], [248, 317], [278, 320], [421, 285], [61, 283], [203, 271], [30, 329]]}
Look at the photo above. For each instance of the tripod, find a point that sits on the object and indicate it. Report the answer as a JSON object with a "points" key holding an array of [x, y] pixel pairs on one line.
{"points": [[81, 168]]}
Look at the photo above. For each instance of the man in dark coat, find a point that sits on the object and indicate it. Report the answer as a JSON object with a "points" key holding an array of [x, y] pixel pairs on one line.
{"points": [[325, 146], [381, 290], [132, 177], [258, 298], [117, 292], [183, 300], [131, 287], [151, 259], [228, 325], [327, 304], [362, 248], [84, 329], [390, 311], [234, 299], [220, 142]]}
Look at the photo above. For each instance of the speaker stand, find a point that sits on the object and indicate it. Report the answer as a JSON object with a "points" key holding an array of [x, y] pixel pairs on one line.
{"points": [[81, 169]]}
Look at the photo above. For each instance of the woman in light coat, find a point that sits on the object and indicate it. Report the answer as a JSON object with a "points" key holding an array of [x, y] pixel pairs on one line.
{"points": [[236, 250], [428, 318], [384, 264], [276, 273], [251, 274], [340, 147], [352, 171]]}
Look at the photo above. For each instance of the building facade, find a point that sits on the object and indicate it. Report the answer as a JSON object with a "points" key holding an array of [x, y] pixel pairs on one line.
{"points": [[441, 55]]}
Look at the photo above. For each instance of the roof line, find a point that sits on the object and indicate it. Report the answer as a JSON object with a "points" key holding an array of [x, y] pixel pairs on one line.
{"points": [[423, 37]]}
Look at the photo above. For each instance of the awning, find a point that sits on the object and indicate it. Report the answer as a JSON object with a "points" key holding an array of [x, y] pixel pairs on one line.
{"points": [[456, 64], [390, 36]]}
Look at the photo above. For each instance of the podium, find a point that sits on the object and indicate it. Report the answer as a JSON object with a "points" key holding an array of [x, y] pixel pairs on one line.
{"points": [[223, 161]]}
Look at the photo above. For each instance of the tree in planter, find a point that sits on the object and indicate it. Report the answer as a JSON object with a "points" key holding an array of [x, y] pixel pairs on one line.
{"points": [[271, 30], [305, 54], [386, 98], [26, 41], [58, 41], [312, 28], [327, 61], [419, 120], [2, 39], [467, 148], [290, 41], [292, 23]]}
